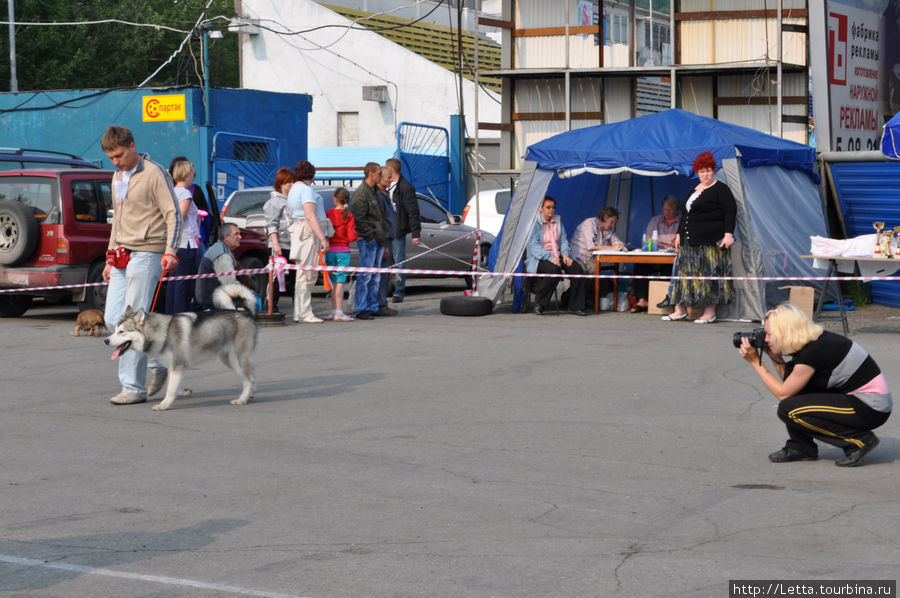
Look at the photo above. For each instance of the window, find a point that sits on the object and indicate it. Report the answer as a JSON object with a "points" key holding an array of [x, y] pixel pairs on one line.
{"points": [[88, 204], [251, 151], [428, 212], [501, 201], [348, 129], [37, 194]]}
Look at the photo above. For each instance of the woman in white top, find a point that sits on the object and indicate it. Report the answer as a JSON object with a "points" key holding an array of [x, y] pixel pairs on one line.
{"points": [[180, 293], [309, 236]]}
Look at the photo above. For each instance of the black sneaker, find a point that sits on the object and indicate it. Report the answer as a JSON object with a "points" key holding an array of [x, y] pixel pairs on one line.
{"points": [[788, 454], [365, 315], [665, 303], [853, 458], [396, 299], [538, 310]]}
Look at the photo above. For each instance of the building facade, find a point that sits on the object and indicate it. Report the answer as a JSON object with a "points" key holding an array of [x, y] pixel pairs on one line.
{"points": [[362, 83], [575, 63]]}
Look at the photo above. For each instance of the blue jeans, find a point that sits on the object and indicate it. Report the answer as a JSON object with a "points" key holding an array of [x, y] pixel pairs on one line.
{"points": [[180, 293], [134, 286], [398, 247], [367, 284], [387, 260]]}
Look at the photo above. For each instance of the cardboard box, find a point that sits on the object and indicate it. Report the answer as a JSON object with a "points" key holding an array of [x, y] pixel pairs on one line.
{"points": [[655, 294], [802, 297]]}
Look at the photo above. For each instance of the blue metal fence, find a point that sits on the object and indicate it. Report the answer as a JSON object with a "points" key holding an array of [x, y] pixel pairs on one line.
{"points": [[424, 152], [868, 192]]}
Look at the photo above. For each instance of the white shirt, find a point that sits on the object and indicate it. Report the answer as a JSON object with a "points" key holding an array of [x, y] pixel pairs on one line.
{"points": [[191, 231], [390, 191]]}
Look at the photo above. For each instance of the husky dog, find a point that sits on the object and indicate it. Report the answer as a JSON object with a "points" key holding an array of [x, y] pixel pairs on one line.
{"points": [[190, 338]]}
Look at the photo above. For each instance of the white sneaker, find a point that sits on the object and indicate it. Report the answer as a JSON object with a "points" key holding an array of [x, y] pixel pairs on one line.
{"points": [[157, 381], [313, 320], [127, 398]]}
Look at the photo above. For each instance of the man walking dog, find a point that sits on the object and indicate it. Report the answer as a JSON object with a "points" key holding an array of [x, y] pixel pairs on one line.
{"points": [[145, 232]]}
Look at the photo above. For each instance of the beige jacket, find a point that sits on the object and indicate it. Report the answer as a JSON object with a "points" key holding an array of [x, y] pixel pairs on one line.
{"points": [[147, 218]]}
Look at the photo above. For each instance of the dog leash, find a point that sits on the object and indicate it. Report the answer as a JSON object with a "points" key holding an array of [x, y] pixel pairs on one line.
{"points": [[158, 286]]}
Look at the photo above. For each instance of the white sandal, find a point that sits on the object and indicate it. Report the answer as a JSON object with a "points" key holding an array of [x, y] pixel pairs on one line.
{"points": [[705, 320], [673, 318]]}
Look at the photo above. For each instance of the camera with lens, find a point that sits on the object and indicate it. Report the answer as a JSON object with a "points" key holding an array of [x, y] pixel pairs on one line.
{"points": [[757, 338]]}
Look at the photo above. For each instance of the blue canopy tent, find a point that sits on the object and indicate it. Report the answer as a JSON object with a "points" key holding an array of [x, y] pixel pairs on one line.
{"points": [[631, 165], [890, 139]]}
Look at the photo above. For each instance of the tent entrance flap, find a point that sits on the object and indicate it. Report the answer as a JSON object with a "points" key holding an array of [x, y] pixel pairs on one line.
{"points": [[517, 225]]}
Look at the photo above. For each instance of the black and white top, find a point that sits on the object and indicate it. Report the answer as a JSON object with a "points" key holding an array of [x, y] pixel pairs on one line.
{"points": [[842, 366]]}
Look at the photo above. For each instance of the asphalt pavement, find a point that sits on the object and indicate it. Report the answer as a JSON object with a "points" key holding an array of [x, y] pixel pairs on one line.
{"points": [[424, 455]]}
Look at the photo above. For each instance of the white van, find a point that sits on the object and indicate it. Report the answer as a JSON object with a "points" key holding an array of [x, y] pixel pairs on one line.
{"points": [[493, 204]]}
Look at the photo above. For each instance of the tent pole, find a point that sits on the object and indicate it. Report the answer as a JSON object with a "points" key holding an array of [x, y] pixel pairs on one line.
{"points": [[779, 82]]}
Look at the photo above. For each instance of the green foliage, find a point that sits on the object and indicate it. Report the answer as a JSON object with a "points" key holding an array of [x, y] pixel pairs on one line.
{"points": [[113, 54], [860, 292]]}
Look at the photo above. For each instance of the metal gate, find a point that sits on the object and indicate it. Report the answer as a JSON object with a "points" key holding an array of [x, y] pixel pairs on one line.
{"points": [[424, 152], [868, 191], [240, 161]]}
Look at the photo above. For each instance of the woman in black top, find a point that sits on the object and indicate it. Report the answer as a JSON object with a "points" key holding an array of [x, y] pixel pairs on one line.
{"points": [[830, 390], [704, 240]]}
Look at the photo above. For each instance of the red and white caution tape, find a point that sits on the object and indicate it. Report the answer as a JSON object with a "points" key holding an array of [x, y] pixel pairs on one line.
{"points": [[463, 273]]}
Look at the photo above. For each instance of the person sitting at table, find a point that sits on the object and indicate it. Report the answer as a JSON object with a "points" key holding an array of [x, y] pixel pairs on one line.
{"points": [[547, 252], [666, 227], [594, 234]]}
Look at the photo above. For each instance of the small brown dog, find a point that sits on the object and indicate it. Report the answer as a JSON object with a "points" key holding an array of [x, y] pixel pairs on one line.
{"points": [[90, 320]]}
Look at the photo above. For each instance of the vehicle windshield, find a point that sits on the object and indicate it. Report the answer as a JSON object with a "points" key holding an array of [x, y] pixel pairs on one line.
{"points": [[245, 203], [39, 194]]}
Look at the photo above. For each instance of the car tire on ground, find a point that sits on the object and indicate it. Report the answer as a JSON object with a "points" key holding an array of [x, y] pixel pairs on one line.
{"points": [[94, 297], [13, 305], [466, 306], [19, 233], [260, 281]]}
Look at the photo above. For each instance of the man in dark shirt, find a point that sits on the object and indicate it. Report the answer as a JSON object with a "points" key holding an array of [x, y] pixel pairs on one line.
{"points": [[406, 206], [387, 258], [371, 230]]}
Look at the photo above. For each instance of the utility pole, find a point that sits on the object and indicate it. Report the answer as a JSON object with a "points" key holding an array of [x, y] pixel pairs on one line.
{"points": [[13, 83]]}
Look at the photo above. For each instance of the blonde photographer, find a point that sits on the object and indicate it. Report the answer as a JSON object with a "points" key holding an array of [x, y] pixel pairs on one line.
{"points": [[829, 388]]}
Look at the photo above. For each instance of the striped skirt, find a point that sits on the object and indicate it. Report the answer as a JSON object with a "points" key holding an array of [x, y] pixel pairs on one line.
{"points": [[702, 260]]}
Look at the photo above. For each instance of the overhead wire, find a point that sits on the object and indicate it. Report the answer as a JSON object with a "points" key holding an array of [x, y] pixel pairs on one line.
{"points": [[301, 32], [187, 38], [101, 22]]}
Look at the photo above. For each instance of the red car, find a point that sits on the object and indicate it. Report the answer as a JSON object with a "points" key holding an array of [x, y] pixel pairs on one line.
{"points": [[54, 230]]}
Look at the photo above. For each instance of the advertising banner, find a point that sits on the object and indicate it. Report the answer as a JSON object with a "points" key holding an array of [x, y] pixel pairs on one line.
{"points": [[857, 88], [163, 108]]}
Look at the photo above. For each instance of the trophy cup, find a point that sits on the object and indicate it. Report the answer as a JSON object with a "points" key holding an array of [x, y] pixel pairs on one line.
{"points": [[886, 244], [877, 226]]}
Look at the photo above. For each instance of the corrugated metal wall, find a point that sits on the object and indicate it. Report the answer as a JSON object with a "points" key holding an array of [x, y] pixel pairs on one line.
{"points": [[868, 192], [738, 40], [696, 95], [618, 100], [764, 117]]}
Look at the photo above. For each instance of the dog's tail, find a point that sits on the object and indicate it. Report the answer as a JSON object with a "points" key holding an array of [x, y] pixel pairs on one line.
{"points": [[233, 296]]}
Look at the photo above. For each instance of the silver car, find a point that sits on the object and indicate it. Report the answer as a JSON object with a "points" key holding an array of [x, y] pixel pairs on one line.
{"points": [[446, 243]]}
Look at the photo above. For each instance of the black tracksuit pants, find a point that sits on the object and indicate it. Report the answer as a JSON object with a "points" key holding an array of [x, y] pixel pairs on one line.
{"points": [[837, 419]]}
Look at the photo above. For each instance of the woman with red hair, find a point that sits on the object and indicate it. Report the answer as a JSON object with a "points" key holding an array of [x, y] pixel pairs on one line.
{"points": [[704, 241]]}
